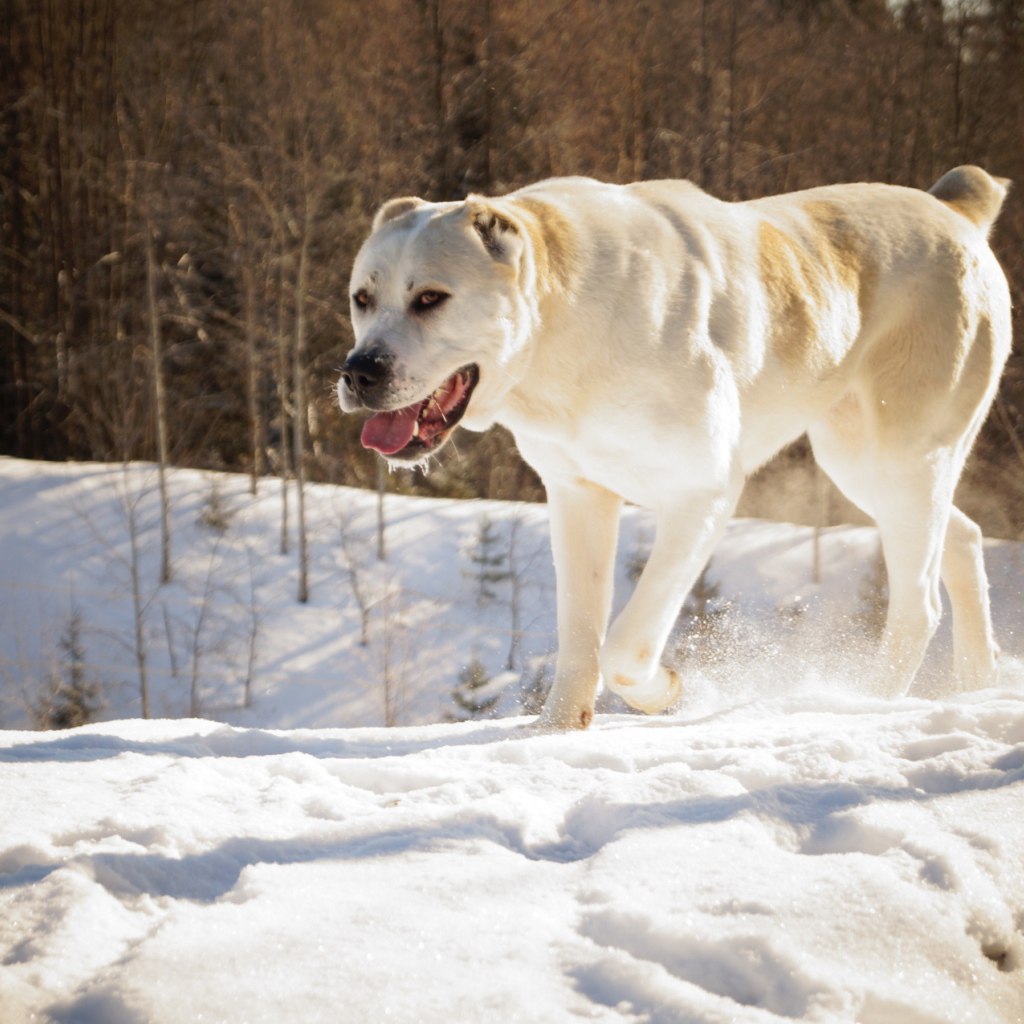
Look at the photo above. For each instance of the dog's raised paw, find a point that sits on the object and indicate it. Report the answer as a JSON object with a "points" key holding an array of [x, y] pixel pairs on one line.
{"points": [[661, 691]]}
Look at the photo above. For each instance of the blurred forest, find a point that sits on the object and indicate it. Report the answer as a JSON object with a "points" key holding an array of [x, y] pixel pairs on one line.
{"points": [[183, 185]]}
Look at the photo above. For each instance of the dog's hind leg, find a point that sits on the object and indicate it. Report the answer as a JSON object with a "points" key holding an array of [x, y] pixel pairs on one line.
{"points": [[975, 652], [584, 532], [924, 538], [631, 657], [911, 508]]}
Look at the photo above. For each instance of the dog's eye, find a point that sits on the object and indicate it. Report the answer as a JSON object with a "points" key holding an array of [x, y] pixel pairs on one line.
{"points": [[361, 299], [427, 300]]}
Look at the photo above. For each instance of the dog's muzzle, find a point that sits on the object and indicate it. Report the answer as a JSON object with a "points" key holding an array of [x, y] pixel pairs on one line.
{"points": [[365, 378], [411, 432]]}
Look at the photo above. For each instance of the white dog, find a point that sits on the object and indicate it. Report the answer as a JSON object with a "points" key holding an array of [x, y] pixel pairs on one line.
{"points": [[651, 343]]}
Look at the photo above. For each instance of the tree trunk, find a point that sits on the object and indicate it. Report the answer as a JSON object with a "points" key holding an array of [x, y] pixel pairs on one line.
{"points": [[160, 406], [382, 486], [138, 605], [300, 420], [253, 361], [282, 394]]}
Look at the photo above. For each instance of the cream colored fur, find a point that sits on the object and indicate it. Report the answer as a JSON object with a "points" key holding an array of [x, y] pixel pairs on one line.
{"points": [[653, 344]]}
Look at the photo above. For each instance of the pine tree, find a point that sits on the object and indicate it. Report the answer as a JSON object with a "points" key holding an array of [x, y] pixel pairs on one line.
{"points": [[472, 678], [534, 688], [489, 562], [70, 699]]}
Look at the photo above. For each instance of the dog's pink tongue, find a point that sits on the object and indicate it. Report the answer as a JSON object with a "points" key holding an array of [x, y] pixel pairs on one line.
{"points": [[390, 432]]}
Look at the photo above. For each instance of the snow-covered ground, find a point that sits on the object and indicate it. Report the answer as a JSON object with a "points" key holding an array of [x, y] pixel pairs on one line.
{"points": [[813, 857], [780, 847]]}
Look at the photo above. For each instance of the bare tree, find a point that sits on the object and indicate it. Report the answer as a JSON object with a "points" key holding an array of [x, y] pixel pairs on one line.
{"points": [[382, 486], [285, 408], [255, 622], [130, 504], [251, 329], [522, 577], [180, 143], [393, 643], [299, 378], [159, 405], [197, 645], [357, 574]]}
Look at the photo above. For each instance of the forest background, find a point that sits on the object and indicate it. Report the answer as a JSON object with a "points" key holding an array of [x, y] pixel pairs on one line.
{"points": [[184, 184]]}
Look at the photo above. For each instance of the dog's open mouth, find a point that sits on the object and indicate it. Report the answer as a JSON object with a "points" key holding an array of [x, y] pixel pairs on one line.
{"points": [[420, 428]]}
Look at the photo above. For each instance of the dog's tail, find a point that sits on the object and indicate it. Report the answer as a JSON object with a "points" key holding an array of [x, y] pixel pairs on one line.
{"points": [[973, 193]]}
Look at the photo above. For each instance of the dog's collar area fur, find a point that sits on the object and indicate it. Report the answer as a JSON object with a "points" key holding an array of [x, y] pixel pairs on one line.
{"points": [[411, 433]]}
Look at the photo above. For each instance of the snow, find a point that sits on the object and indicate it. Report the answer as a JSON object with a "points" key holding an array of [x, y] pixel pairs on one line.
{"points": [[781, 847], [815, 857]]}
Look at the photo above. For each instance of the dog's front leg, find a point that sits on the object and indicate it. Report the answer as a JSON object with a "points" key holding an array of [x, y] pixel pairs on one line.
{"points": [[584, 531], [630, 660]]}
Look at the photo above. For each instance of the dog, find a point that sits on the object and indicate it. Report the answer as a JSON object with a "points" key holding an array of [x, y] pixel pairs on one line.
{"points": [[650, 343]]}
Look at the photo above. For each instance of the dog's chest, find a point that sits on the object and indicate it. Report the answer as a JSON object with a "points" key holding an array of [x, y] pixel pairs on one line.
{"points": [[641, 463]]}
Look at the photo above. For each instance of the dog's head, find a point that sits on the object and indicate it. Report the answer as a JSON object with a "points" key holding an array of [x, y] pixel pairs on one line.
{"points": [[439, 314]]}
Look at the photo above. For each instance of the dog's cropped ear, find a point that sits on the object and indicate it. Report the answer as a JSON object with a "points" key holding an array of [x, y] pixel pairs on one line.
{"points": [[394, 208], [499, 233]]}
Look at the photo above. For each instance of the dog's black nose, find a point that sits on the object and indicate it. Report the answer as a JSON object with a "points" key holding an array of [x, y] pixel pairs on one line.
{"points": [[364, 371]]}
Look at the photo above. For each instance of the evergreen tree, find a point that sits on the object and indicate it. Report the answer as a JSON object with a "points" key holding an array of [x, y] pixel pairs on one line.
{"points": [[489, 561], [466, 696], [534, 688], [70, 698]]}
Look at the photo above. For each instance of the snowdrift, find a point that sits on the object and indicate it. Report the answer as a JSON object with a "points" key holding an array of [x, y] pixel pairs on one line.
{"points": [[817, 858], [782, 847]]}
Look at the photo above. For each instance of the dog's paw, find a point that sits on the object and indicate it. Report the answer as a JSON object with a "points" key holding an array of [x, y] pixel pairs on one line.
{"points": [[563, 719], [980, 672], [655, 694]]}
